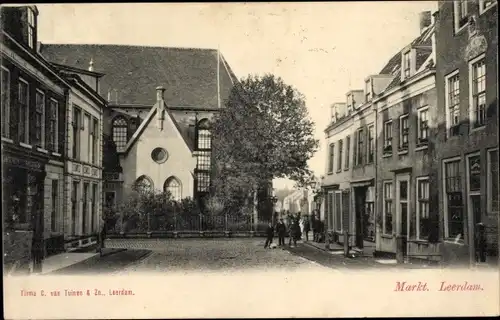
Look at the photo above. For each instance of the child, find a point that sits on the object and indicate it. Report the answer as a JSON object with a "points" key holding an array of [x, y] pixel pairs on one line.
{"points": [[269, 235]]}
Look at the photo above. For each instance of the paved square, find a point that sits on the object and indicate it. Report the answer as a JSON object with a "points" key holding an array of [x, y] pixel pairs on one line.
{"points": [[211, 255]]}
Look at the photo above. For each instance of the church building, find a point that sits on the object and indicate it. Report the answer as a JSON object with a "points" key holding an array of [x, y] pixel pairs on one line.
{"points": [[160, 102]]}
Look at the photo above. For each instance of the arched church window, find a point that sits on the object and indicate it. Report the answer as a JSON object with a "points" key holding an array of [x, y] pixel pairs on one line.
{"points": [[204, 136], [143, 184], [120, 128], [173, 186]]}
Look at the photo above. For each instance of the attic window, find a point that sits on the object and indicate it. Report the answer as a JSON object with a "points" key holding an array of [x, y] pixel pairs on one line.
{"points": [[31, 28], [368, 89], [407, 64]]}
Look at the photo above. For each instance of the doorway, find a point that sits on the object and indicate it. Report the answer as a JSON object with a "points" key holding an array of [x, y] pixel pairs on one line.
{"points": [[402, 203], [360, 219]]}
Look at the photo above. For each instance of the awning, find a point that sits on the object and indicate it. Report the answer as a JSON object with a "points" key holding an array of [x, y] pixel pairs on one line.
{"points": [[362, 183], [334, 186], [402, 170]]}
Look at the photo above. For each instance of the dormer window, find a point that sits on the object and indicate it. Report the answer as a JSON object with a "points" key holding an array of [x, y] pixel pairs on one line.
{"points": [[368, 89], [461, 14], [31, 28], [407, 64], [349, 104]]}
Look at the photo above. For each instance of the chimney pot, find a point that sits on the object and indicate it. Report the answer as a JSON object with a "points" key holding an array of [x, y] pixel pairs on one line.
{"points": [[160, 90], [425, 20]]}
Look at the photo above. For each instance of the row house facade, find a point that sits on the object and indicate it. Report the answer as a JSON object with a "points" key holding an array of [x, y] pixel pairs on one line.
{"points": [[406, 151], [467, 93], [372, 144], [33, 102], [83, 163]]}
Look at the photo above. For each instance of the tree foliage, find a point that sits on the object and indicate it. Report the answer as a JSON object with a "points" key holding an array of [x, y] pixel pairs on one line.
{"points": [[264, 132]]}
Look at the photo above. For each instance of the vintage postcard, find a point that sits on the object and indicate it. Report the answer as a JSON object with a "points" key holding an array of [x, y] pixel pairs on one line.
{"points": [[235, 160]]}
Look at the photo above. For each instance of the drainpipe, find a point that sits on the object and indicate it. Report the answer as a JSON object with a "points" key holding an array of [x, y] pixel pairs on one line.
{"points": [[375, 162]]}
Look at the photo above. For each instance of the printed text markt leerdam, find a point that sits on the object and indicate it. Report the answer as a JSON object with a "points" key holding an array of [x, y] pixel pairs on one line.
{"points": [[440, 286]]}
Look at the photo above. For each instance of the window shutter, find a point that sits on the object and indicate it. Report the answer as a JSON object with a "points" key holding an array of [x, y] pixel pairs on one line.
{"points": [[355, 149]]}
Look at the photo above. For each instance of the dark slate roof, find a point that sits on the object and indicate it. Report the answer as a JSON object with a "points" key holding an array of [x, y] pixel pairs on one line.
{"points": [[423, 47], [188, 75]]}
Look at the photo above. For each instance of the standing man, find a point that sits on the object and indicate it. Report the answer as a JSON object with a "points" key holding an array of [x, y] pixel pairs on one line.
{"points": [[269, 235], [307, 227], [281, 229]]}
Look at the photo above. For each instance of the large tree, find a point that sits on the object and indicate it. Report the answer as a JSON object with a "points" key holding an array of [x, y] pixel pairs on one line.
{"points": [[264, 132]]}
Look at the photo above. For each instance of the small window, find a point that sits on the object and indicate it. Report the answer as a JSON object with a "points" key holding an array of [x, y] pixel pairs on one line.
{"points": [[461, 14], [173, 186], [423, 220], [31, 28], [403, 132], [453, 103], [23, 106], [347, 151], [339, 156], [39, 119], [331, 152], [423, 125], [371, 144], [407, 64], [6, 106], [478, 74], [387, 212], [388, 137], [120, 133], [52, 130]]}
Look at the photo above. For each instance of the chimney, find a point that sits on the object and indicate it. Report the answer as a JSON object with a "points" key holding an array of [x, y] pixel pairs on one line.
{"points": [[425, 20], [160, 93]]}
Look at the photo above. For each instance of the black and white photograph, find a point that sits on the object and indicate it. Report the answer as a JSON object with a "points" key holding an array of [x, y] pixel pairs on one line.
{"points": [[250, 159]]}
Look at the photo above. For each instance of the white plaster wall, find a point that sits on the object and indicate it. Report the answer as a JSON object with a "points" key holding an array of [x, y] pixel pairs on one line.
{"points": [[180, 162]]}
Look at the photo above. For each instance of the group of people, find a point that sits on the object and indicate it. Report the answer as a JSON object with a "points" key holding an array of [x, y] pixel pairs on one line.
{"points": [[296, 228]]}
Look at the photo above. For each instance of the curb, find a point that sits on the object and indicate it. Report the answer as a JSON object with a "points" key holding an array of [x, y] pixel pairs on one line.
{"points": [[134, 263], [322, 249]]}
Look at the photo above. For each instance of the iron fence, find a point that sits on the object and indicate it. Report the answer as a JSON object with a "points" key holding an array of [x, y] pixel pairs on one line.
{"points": [[187, 222]]}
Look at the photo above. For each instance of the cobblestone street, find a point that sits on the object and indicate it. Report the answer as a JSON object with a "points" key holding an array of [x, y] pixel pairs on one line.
{"points": [[211, 255]]}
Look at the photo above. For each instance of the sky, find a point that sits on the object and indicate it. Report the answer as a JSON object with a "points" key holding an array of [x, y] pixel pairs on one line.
{"points": [[321, 49]]}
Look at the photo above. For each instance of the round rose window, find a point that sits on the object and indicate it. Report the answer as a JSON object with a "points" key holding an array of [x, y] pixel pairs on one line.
{"points": [[159, 155]]}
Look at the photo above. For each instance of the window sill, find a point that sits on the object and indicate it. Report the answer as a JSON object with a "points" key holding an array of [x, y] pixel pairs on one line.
{"points": [[7, 140], [419, 241], [42, 150], [486, 9], [25, 145], [422, 147], [330, 173], [452, 241], [339, 171], [386, 236], [402, 152], [56, 154], [387, 155], [459, 30], [476, 129]]}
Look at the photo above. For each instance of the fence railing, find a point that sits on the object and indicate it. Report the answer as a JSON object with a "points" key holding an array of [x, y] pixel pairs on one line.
{"points": [[158, 223]]}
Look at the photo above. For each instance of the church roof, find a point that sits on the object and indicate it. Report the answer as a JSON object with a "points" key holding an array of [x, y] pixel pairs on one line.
{"points": [[132, 72]]}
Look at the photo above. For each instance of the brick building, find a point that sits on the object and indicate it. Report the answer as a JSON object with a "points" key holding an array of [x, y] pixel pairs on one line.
{"points": [[406, 202], [160, 104], [33, 100], [467, 92]]}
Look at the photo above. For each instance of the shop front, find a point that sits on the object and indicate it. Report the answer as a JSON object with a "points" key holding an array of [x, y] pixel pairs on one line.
{"points": [[23, 177]]}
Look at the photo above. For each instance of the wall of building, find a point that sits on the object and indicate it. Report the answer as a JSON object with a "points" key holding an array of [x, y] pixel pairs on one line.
{"points": [[454, 53], [180, 162], [420, 161]]}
